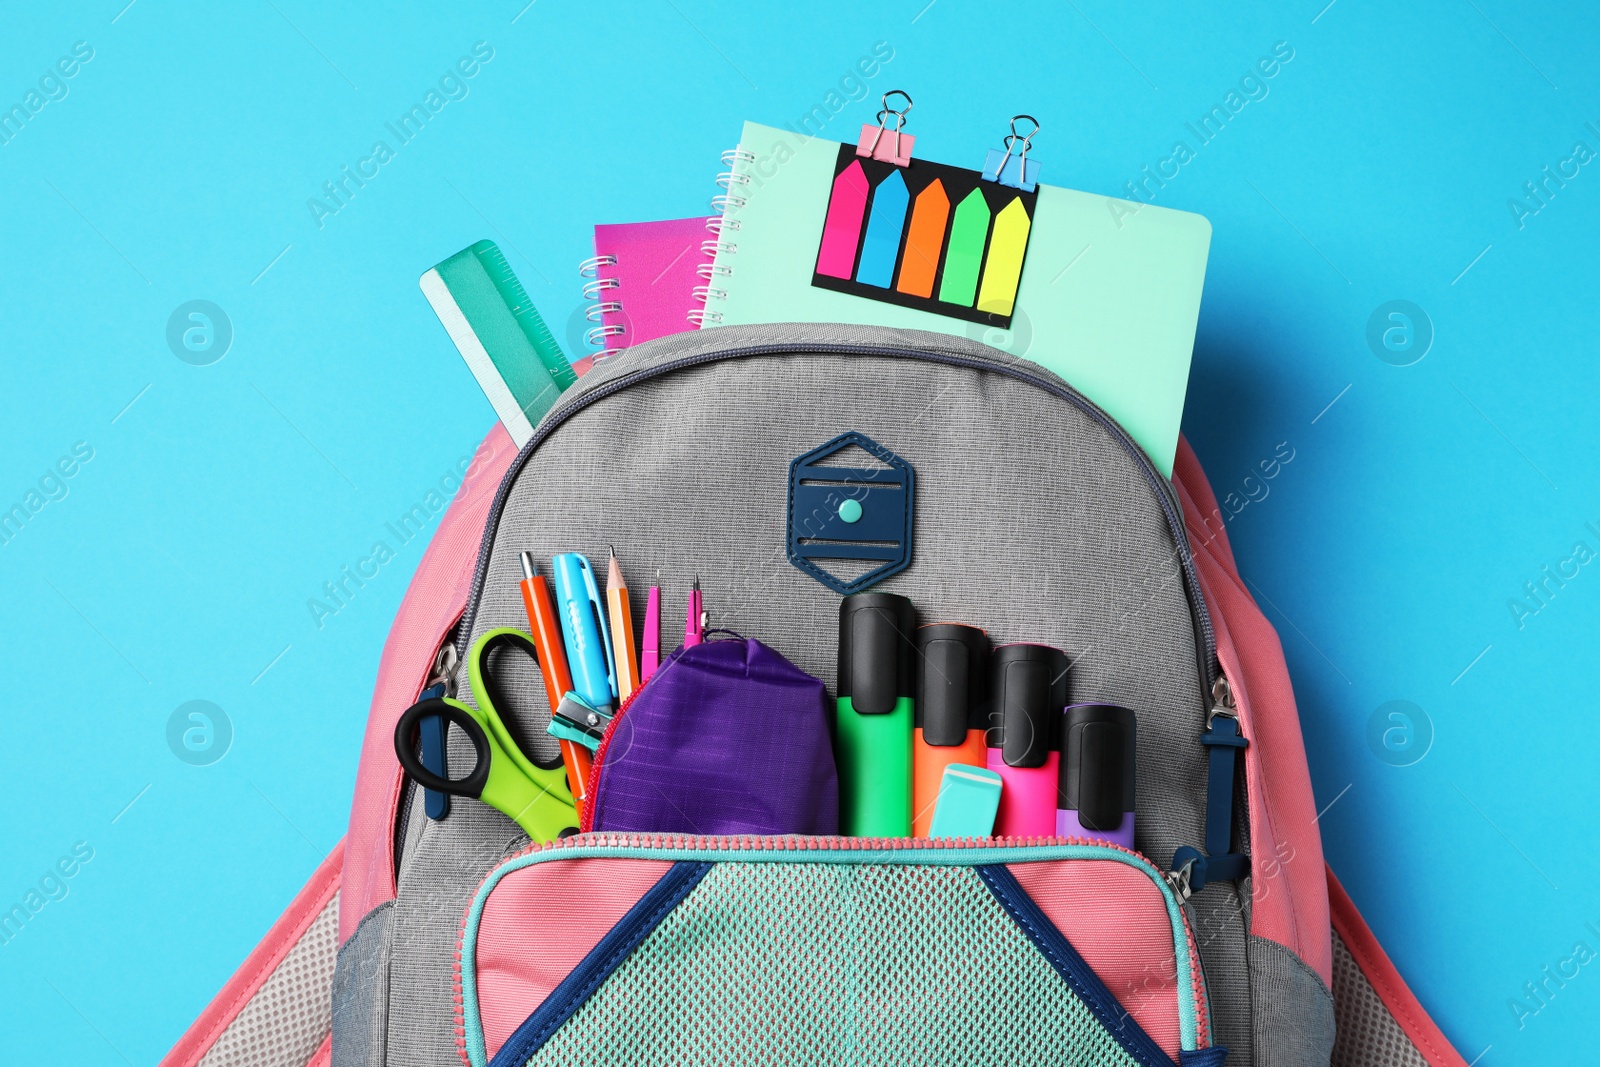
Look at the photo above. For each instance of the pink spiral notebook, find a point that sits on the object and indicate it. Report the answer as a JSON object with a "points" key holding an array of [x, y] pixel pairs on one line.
{"points": [[642, 279]]}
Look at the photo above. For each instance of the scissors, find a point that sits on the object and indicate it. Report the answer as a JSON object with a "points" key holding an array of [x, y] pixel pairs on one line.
{"points": [[534, 795]]}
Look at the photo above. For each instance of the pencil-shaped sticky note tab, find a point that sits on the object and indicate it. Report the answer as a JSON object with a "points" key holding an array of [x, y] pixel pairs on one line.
{"points": [[505, 343], [1003, 269], [928, 221], [841, 232], [884, 225], [964, 258]]}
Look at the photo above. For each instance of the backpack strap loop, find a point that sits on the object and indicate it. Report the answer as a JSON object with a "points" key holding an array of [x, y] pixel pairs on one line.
{"points": [[1223, 740]]}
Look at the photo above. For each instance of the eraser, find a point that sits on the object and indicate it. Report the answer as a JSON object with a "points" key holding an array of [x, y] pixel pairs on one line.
{"points": [[969, 797]]}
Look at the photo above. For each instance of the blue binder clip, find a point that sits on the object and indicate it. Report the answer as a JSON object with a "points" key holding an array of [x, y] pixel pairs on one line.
{"points": [[1017, 171], [850, 515]]}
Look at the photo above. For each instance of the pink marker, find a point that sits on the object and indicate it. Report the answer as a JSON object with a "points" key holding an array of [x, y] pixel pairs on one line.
{"points": [[650, 650], [694, 624], [1029, 692]]}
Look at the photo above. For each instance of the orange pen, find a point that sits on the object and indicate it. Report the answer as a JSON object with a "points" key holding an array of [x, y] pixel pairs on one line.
{"points": [[621, 632], [548, 642]]}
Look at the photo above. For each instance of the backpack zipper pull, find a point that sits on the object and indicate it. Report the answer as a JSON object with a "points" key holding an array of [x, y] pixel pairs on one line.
{"points": [[1221, 700], [432, 733], [1177, 880], [443, 675]]}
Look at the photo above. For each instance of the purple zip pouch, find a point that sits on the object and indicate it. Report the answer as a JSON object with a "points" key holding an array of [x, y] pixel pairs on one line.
{"points": [[727, 737]]}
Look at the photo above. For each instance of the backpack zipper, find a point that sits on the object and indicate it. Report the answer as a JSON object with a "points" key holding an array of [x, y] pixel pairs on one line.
{"points": [[1207, 650], [442, 675]]}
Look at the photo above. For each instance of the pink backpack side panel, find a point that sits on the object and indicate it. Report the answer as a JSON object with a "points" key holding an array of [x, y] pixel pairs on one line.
{"points": [[1289, 895], [1362, 1025], [298, 923], [433, 602]]}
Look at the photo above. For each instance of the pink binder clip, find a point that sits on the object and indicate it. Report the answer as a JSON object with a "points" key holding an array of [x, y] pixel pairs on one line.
{"points": [[895, 149]]}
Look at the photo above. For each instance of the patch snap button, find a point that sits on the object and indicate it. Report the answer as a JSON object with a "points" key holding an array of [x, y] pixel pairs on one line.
{"points": [[850, 511]]}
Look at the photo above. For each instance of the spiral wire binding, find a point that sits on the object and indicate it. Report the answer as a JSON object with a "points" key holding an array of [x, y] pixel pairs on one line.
{"points": [[593, 337], [721, 225], [592, 290], [596, 312], [590, 268]]}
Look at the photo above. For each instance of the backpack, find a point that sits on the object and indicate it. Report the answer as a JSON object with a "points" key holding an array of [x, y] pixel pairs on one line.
{"points": [[1035, 516]]}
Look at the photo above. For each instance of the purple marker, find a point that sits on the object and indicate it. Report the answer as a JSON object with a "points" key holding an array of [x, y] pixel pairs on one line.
{"points": [[1094, 795]]}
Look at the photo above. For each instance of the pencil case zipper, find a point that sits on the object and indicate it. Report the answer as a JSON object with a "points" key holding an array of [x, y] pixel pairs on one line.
{"points": [[597, 765]]}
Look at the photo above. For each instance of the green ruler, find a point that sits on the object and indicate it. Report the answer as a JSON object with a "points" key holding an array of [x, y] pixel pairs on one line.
{"points": [[506, 344]]}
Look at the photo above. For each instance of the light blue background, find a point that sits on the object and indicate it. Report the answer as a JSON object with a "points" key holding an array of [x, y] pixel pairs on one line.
{"points": [[178, 567]]}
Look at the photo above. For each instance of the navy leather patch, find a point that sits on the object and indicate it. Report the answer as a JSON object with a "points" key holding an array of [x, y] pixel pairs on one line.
{"points": [[849, 516]]}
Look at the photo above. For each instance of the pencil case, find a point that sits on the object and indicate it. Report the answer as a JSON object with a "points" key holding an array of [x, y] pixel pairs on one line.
{"points": [[728, 737], [672, 950]]}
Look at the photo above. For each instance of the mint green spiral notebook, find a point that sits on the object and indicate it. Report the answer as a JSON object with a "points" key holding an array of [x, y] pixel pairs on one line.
{"points": [[1109, 296]]}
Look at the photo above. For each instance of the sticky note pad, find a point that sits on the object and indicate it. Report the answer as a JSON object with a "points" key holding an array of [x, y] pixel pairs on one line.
{"points": [[969, 797], [506, 344]]}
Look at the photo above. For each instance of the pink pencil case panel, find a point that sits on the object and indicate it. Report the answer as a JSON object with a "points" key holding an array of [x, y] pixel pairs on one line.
{"points": [[645, 950]]}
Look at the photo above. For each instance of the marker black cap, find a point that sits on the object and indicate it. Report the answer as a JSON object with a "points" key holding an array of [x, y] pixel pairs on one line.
{"points": [[1030, 689], [952, 682], [1099, 750], [876, 651]]}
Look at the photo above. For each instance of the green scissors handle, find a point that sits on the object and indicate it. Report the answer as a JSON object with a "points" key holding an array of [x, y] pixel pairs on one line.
{"points": [[487, 695], [536, 798]]}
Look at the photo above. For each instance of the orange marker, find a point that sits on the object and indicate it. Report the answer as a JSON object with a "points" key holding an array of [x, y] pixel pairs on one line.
{"points": [[621, 632], [552, 651], [952, 711]]}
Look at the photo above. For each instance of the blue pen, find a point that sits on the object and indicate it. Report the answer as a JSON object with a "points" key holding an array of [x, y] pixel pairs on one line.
{"points": [[583, 629]]}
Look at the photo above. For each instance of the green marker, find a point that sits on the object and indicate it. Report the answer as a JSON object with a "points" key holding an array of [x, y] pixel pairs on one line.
{"points": [[506, 344], [876, 653]]}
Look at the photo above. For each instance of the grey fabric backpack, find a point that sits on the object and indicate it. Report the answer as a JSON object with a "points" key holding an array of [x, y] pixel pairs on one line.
{"points": [[1035, 516]]}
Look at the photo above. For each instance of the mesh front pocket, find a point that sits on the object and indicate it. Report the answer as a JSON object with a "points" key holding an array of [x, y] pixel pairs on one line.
{"points": [[807, 962]]}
